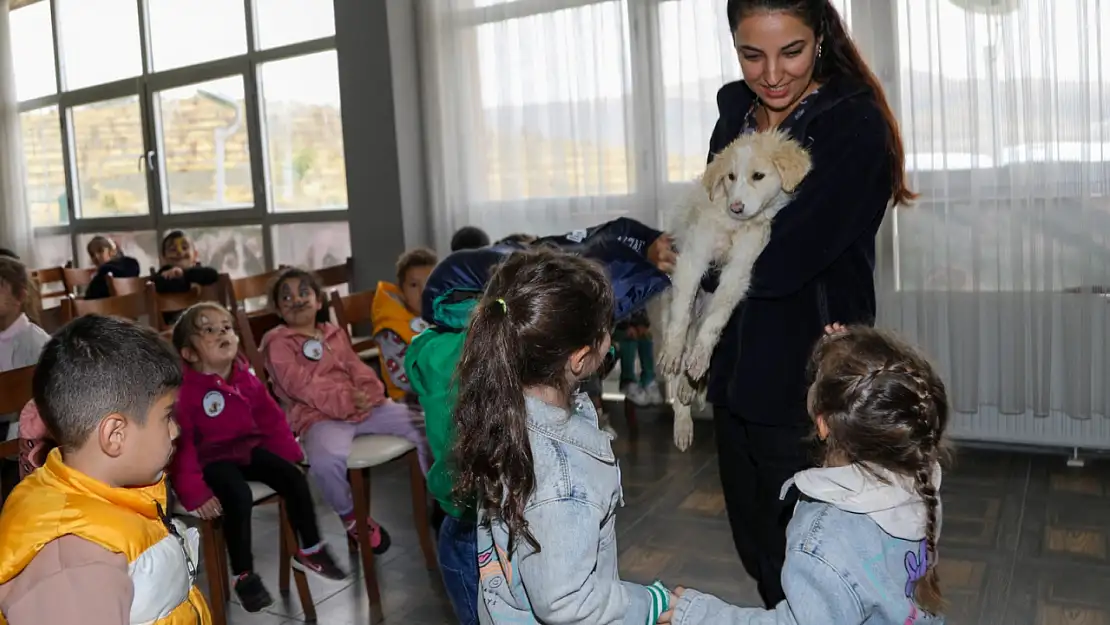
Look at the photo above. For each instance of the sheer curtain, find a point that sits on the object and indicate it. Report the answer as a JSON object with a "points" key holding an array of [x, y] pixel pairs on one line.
{"points": [[546, 115], [15, 221], [1002, 268]]}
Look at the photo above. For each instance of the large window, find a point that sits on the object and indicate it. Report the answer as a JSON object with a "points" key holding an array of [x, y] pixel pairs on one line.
{"points": [[217, 117]]}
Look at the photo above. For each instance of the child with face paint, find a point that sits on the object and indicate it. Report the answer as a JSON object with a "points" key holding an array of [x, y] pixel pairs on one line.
{"points": [[180, 267], [232, 432], [329, 394]]}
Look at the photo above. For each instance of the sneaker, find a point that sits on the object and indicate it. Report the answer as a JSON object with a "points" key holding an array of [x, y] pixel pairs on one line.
{"points": [[252, 593], [320, 563], [634, 393], [653, 393], [379, 538]]}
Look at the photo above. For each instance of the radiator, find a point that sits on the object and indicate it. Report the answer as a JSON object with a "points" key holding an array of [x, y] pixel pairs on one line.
{"points": [[1055, 430]]}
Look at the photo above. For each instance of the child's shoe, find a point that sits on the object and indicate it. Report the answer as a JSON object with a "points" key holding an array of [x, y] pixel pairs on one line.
{"points": [[635, 393], [379, 538], [604, 425], [252, 593], [319, 562], [653, 393]]}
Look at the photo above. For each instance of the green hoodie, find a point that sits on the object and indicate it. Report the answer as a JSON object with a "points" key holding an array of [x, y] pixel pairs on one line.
{"points": [[430, 365]]}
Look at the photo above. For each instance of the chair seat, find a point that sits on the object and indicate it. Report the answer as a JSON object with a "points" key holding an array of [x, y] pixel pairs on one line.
{"points": [[371, 451], [259, 491], [371, 353]]}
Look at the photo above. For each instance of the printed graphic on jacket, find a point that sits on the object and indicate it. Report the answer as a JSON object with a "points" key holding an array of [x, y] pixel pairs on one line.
{"points": [[916, 565]]}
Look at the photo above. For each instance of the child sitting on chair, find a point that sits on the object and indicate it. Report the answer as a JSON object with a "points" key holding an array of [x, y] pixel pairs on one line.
{"points": [[86, 538], [329, 394], [233, 432], [109, 261], [396, 315], [180, 268]]}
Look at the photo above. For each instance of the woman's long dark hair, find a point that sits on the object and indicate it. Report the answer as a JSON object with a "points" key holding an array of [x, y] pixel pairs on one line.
{"points": [[538, 309], [885, 406], [839, 57]]}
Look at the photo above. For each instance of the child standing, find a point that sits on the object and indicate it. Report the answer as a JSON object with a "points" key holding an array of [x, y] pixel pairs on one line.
{"points": [[329, 394], [233, 432], [634, 340], [396, 315], [530, 452], [862, 544], [86, 538], [109, 261]]}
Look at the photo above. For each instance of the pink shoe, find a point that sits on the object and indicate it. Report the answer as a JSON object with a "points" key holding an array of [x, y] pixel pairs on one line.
{"points": [[379, 538]]}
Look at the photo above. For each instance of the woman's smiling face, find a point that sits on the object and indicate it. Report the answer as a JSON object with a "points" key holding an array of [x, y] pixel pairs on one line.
{"points": [[777, 54]]}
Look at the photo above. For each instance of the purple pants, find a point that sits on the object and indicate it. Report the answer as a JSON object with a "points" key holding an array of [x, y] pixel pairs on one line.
{"points": [[328, 443]]}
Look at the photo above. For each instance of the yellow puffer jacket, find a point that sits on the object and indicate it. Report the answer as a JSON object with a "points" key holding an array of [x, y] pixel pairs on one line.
{"points": [[389, 313], [56, 500]]}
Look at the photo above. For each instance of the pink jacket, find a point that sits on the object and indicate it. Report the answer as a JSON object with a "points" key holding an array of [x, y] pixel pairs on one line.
{"points": [[34, 442], [224, 420], [316, 379]]}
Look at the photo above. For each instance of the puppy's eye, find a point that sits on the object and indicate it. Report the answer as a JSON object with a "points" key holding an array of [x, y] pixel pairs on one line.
{"points": [[731, 177], [757, 176]]}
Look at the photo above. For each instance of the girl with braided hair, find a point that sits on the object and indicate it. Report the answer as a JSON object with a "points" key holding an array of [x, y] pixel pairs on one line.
{"points": [[862, 544]]}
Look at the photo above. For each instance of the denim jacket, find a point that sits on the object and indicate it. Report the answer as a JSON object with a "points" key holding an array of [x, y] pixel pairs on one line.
{"points": [[572, 514], [855, 549]]}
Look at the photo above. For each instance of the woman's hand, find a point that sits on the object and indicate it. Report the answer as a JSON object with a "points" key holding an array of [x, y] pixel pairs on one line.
{"points": [[209, 509], [676, 594], [661, 253]]}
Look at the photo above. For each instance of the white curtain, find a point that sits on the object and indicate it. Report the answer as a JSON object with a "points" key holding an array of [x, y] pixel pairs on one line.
{"points": [[546, 115], [15, 220], [1001, 269]]}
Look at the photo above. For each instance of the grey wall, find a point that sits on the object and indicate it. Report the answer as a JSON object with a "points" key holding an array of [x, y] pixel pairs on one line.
{"points": [[379, 83]]}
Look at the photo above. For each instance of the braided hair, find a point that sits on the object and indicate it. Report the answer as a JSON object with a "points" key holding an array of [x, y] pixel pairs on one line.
{"points": [[885, 406]]}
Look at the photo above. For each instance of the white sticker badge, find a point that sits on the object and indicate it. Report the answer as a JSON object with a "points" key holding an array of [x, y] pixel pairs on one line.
{"points": [[313, 349], [418, 325], [214, 403]]}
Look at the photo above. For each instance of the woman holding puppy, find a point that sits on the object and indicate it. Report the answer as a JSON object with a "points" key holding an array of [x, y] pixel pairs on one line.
{"points": [[802, 74]]}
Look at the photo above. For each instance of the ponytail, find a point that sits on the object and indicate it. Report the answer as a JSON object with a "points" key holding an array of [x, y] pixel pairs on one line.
{"points": [[927, 591], [492, 449]]}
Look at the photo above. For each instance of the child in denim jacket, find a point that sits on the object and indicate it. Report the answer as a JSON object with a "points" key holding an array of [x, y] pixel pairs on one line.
{"points": [[529, 451], [862, 544]]}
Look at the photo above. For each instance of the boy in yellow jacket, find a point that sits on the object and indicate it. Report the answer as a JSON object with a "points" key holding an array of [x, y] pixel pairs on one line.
{"points": [[86, 538], [396, 316]]}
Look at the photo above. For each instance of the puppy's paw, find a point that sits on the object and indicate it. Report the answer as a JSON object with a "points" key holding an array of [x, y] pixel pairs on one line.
{"points": [[670, 359], [697, 361], [683, 428], [684, 390]]}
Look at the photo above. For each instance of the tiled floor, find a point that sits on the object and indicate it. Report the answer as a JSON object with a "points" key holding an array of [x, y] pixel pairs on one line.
{"points": [[1026, 540]]}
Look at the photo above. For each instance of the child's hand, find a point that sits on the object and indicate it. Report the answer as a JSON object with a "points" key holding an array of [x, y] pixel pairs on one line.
{"points": [[173, 272], [661, 253], [209, 509], [676, 594], [362, 401], [835, 328]]}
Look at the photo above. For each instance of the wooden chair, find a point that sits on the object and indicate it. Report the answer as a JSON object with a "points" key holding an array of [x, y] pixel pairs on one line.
{"points": [[212, 537], [251, 330], [15, 392], [139, 307], [356, 309], [367, 452], [251, 287], [170, 303], [126, 286], [75, 279], [337, 274], [48, 276]]}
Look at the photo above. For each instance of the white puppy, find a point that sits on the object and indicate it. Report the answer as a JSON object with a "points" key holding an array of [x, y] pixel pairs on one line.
{"points": [[727, 221]]}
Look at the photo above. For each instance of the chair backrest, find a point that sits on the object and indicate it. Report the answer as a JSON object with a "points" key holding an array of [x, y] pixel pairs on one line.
{"points": [[48, 276], [251, 330], [352, 309], [126, 286], [337, 274], [139, 307], [251, 287], [15, 392], [76, 278]]}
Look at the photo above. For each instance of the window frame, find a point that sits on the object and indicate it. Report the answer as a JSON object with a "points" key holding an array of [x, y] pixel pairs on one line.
{"points": [[145, 86]]}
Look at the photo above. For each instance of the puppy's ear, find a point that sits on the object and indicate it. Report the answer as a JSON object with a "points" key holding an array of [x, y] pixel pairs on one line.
{"points": [[792, 162], [714, 177]]}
